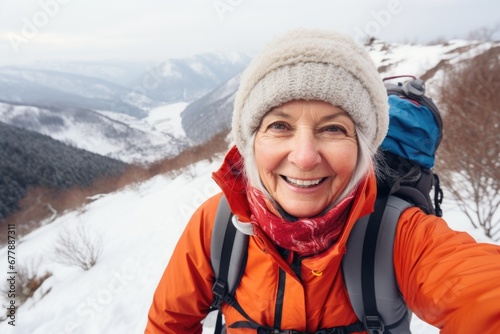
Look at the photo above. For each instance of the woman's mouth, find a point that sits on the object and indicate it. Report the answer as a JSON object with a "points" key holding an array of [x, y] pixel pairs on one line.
{"points": [[303, 183]]}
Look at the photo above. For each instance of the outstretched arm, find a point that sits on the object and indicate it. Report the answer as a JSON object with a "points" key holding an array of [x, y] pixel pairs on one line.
{"points": [[446, 277]]}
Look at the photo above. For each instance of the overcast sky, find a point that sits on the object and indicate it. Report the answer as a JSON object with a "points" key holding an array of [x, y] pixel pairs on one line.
{"points": [[155, 30]]}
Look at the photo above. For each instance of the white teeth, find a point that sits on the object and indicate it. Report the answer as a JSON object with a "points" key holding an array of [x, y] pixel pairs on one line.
{"points": [[303, 183]]}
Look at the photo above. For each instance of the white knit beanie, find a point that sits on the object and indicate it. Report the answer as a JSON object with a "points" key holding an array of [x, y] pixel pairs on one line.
{"points": [[312, 65]]}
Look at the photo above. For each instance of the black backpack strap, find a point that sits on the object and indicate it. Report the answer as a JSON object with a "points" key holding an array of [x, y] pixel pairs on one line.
{"points": [[372, 321], [438, 196], [368, 269], [219, 327], [220, 258], [228, 254]]}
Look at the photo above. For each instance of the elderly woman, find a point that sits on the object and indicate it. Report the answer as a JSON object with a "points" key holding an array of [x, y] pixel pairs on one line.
{"points": [[309, 116]]}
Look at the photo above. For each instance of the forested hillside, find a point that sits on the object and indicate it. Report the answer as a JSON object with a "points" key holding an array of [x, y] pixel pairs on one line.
{"points": [[31, 159]]}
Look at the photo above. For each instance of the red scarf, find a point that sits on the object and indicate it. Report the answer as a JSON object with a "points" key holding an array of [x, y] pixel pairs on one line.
{"points": [[305, 236]]}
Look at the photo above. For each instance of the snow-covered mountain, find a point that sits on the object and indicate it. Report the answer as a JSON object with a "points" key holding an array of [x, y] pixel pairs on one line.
{"points": [[57, 89], [125, 87], [119, 72], [425, 61], [202, 118], [107, 133], [86, 104], [139, 227], [187, 79]]}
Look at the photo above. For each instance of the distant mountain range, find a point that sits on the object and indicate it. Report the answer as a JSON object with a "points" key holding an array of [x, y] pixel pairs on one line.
{"points": [[119, 72], [209, 115], [190, 78], [104, 86], [51, 89], [84, 104], [171, 80]]}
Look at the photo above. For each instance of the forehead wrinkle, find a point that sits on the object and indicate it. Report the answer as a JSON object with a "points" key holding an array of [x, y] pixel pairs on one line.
{"points": [[281, 111]]}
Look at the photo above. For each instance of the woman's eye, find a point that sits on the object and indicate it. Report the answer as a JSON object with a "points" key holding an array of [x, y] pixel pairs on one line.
{"points": [[278, 126], [335, 129]]}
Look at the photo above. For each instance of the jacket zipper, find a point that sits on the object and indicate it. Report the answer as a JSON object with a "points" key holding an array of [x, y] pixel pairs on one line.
{"points": [[278, 311]]}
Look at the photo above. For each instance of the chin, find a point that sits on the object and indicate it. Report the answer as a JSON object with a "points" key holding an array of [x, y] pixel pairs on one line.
{"points": [[300, 211]]}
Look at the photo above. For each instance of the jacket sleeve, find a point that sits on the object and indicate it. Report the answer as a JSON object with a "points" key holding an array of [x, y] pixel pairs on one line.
{"points": [[184, 293], [446, 277]]}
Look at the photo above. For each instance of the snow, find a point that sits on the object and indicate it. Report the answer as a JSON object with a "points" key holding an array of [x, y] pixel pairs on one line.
{"points": [[168, 119], [165, 119], [139, 227], [169, 70], [412, 59], [200, 68]]}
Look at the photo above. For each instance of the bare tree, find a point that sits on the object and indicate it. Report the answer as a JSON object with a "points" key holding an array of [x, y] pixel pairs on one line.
{"points": [[469, 156], [77, 248], [27, 280], [485, 34]]}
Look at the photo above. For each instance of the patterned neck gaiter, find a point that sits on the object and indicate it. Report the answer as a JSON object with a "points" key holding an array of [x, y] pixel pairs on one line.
{"points": [[305, 236]]}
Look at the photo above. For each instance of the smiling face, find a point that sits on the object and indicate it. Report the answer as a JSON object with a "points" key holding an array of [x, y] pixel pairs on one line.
{"points": [[305, 153]]}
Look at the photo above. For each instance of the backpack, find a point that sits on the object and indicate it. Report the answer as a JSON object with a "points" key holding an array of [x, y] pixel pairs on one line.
{"points": [[406, 179]]}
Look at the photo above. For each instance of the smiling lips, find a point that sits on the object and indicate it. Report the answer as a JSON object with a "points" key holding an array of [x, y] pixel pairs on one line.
{"points": [[303, 183]]}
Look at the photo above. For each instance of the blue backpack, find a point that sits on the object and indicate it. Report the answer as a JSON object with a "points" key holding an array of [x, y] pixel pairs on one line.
{"points": [[407, 156]]}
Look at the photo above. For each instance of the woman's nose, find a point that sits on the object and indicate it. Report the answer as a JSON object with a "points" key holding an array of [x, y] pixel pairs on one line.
{"points": [[304, 152]]}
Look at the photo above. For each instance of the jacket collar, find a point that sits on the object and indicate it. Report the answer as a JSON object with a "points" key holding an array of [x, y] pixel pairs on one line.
{"points": [[230, 178]]}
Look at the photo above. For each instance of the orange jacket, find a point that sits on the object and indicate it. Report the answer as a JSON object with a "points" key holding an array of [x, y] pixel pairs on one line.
{"points": [[446, 278]]}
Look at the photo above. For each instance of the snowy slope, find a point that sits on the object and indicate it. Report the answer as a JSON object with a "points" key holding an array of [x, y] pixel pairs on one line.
{"points": [[139, 227], [424, 61]]}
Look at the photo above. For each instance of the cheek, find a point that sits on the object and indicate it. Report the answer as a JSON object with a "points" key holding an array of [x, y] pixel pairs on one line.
{"points": [[267, 158], [343, 161]]}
